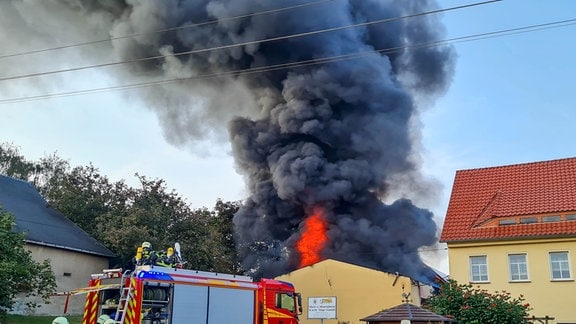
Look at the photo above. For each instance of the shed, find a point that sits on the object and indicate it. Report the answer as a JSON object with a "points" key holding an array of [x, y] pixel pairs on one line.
{"points": [[73, 254], [406, 312]]}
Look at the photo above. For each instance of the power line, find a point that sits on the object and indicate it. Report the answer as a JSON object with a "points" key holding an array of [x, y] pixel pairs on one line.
{"points": [[266, 40], [298, 64], [518, 30], [168, 29]]}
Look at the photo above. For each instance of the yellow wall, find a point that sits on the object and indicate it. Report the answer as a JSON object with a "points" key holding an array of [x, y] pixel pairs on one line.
{"points": [[360, 292], [546, 297]]}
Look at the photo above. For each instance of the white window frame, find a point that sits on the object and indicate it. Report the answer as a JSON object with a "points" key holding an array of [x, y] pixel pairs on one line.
{"points": [[515, 268], [564, 266], [481, 267]]}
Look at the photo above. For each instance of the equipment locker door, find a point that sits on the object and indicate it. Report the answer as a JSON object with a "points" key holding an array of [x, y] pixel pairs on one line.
{"points": [[229, 305], [190, 304]]}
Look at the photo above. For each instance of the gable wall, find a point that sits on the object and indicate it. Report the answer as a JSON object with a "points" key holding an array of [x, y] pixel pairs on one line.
{"points": [[546, 297], [79, 265]]}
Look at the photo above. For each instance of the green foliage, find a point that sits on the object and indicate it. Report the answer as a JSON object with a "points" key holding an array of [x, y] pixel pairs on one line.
{"points": [[223, 247], [19, 273], [82, 194], [12, 163], [122, 217], [469, 305], [47, 169]]}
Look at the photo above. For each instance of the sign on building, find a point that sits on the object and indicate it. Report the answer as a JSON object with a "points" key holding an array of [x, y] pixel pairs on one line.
{"points": [[322, 307]]}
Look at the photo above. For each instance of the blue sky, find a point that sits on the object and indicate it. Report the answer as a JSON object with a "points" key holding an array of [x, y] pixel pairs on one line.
{"points": [[512, 100]]}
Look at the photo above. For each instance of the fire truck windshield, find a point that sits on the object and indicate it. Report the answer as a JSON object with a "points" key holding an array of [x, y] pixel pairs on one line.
{"points": [[286, 301]]}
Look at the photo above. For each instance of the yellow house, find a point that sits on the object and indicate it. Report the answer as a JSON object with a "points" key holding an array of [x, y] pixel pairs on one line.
{"points": [[513, 228], [348, 292]]}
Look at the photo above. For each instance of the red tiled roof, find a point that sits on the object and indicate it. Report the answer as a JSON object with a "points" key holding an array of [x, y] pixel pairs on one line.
{"points": [[483, 195]]}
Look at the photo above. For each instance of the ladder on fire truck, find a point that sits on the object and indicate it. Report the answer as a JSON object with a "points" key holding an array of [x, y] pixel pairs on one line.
{"points": [[126, 294]]}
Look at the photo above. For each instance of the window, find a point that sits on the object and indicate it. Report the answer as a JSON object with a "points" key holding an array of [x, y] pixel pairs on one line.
{"points": [[286, 301], [507, 222], [528, 220], [553, 218], [518, 267], [559, 266], [478, 268]]}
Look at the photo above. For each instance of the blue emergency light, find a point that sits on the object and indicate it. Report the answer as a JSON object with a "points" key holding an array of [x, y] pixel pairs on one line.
{"points": [[154, 275]]}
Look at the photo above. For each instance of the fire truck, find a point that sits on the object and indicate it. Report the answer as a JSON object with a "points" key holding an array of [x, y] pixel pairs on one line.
{"points": [[163, 295]]}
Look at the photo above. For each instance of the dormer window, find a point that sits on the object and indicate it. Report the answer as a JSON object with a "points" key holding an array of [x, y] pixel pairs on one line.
{"points": [[552, 218], [507, 222], [528, 220], [534, 219]]}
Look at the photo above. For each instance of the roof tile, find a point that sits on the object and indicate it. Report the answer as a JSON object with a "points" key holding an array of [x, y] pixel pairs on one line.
{"points": [[42, 224], [481, 195]]}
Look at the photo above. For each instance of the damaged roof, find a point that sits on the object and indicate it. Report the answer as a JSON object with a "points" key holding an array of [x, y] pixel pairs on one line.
{"points": [[43, 224]]}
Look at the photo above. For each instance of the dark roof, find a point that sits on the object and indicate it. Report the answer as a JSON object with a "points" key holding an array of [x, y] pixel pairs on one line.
{"points": [[513, 201], [43, 224], [406, 311], [424, 275]]}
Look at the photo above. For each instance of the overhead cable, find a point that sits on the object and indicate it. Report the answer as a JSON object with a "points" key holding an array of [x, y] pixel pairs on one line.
{"points": [[215, 21], [298, 64], [266, 40]]}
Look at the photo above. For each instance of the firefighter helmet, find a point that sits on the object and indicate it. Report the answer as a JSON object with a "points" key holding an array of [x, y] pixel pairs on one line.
{"points": [[102, 319], [60, 320], [110, 321], [146, 245]]}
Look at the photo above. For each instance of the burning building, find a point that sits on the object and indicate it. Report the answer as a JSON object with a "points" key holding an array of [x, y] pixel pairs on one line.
{"points": [[336, 138], [321, 102]]}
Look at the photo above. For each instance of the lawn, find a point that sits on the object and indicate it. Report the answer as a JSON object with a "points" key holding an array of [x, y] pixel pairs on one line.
{"points": [[19, 319]]}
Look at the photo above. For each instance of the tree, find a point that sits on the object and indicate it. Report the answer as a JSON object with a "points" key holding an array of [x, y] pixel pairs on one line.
{"points": [[121, 217], [469, 305], [19, 273], [12, 163], [225, 257], [83, 195], [154, 214], [42, 173]]}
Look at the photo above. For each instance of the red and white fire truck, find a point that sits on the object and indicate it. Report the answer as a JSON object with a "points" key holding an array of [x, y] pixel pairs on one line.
{"points": [[162, 295]]}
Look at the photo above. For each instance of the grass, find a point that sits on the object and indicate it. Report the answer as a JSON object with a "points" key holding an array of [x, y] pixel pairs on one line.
{"points": [[20, 319]]}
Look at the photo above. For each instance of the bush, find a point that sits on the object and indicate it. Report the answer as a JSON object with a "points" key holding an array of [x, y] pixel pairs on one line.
{"points": [[469, 305]]}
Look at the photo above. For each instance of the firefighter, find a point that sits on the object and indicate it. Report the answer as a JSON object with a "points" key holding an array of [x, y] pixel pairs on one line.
{"points": [[145, 255], [170, 256], [109, 321], [166, 259], [60, 320]]}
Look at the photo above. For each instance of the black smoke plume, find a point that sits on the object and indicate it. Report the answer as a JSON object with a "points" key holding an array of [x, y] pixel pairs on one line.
{"points": [[341, 134]]}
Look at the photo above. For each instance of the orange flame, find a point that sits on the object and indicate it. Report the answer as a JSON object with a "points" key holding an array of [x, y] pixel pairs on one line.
{"points": [[313, 238]]}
